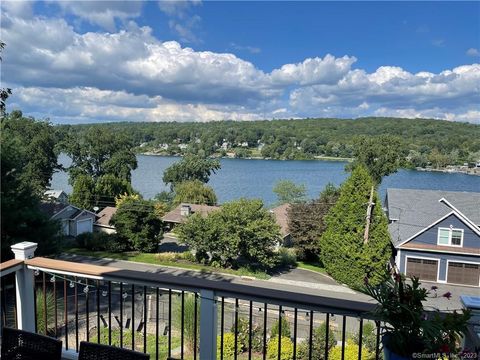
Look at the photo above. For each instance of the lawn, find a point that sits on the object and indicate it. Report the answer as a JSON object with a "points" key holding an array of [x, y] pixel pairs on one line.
{"points": [[317, 267], [168, 259]]}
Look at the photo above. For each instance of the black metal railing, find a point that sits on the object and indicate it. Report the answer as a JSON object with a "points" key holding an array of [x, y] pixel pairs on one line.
{"points": [[135, 313]]}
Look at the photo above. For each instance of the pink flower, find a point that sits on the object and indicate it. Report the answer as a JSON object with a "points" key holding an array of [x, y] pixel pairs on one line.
{"points": [[447, 295]]}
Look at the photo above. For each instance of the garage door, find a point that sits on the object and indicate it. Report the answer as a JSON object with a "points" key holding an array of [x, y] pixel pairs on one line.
{"points": [[422, 268], [465, 274], [84, 226]]}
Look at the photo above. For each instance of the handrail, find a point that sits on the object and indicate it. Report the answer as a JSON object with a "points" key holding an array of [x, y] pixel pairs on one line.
{"points": [[297, 299], [10, 266]]}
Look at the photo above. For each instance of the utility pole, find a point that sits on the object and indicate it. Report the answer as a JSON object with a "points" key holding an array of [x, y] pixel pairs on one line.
{"points": [[369, 216]]}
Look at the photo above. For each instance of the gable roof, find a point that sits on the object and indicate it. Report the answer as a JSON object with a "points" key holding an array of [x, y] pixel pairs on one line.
{"points": [[54, 193], [105, 215], [281, 217], [411, 210], [61, 211], [175, 215]]}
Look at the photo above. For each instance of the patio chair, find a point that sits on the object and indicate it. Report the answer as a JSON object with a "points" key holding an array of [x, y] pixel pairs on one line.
{"points": [[92, 351], [24, 345]]}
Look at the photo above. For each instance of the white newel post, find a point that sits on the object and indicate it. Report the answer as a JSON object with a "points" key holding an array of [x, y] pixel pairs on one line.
{"points": [[25, 287], [208, 325]]}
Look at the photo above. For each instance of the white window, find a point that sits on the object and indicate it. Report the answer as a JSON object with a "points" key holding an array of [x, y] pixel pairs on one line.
{"points": [[450, 237]]}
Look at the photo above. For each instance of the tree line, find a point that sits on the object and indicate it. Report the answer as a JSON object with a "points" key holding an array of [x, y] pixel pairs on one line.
{"points": [[423, 141]]}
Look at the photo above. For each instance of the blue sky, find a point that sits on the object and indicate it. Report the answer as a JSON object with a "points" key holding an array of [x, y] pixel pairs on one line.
{"points": [[201, 61]]}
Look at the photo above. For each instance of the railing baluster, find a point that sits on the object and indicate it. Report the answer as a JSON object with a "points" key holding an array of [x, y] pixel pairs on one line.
{"points": [[360, 336], [195, 320], [157, 307], [222, 325], [132, 325], [295, 318], [169, 323], [44, 285], [109, 313], [76, 313], [98, 311], [310, 336], [279, 354], [121, 314], [265, 325], [56, 308], [65, 309], [144, 319], [250, 325], [377, 343], [182, 323], [327, 334], [87, 311], [236, 329], [344, 330]]}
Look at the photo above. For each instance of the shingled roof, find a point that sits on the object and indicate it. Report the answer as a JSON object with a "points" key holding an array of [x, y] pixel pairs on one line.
{"points": [[410, 210], [175, 215]]}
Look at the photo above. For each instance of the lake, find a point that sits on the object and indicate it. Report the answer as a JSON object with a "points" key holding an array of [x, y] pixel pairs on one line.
{"points": [[256, 178]]}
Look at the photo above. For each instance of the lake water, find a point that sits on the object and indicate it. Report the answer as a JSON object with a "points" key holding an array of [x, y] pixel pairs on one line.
{"points": [[256, 178]]}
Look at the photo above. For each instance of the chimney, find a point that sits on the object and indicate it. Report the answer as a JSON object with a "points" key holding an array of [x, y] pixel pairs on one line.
{"points": [[185, 210]]}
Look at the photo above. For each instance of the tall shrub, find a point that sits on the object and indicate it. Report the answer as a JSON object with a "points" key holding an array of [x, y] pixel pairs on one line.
{"points": [[344, 253]]}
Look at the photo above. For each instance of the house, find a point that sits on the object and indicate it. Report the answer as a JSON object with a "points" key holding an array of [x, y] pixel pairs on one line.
{"points": [[436, 234], [57, 196], [74, 221], [183, 211], [103, 220], [281, 217]]}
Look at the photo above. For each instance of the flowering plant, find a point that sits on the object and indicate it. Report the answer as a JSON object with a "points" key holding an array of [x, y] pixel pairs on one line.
{"points": [[408, 327]]}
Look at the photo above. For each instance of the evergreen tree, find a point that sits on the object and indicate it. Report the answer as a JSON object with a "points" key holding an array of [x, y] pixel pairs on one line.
{"points": [[344, 253]]}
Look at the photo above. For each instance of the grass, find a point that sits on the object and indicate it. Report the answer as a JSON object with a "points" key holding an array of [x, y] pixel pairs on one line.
{"points": [[159, 259], [317, 267]]}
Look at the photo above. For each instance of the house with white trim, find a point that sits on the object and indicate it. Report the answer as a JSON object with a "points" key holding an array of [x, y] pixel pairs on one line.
{"points": [[73, 220], [436, 234]]}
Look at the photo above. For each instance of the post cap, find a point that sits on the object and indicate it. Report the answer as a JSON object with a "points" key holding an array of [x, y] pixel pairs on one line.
{"points": [[24, 250]]}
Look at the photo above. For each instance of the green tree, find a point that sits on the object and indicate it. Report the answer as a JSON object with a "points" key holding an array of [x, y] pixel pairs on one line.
{"points": [[276, 327], [100, 151], [194, 192], [307, 223], [191, 167], [381, 155], [21, 218], [108, 187], [83, 192], [241, 229], [289, 193], [137, 224], [345, 254]]}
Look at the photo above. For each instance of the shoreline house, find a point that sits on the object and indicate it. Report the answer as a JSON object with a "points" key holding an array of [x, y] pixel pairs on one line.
{"points": [[183, 211], [74, 221], [57, 196], [281, 217], [103, 221], [436, 234]]}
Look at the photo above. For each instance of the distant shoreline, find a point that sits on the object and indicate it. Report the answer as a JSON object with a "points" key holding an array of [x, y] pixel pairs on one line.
{"points": [[319, 158]]}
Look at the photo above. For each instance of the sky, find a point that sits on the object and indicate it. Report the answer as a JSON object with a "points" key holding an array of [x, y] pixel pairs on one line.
{"points": [[92, 61]]}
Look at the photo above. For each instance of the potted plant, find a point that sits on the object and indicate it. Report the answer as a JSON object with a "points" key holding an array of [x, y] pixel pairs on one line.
{"points": [[409, 328]]}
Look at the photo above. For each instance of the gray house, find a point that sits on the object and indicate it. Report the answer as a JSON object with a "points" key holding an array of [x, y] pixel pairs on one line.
{"points": [[436, 234], [74, 221]]}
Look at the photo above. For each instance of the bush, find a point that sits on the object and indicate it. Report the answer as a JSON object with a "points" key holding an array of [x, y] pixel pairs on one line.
{"points": [[285, 328], [286, 351], [50, 302], [351, 352], [100, 241], [228, 346], [287, 257], [318, 343], [243, 334], [369, 338]]}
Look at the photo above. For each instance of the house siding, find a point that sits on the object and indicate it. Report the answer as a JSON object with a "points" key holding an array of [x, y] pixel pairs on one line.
{"points": [[442, 257], [470, 238]]}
